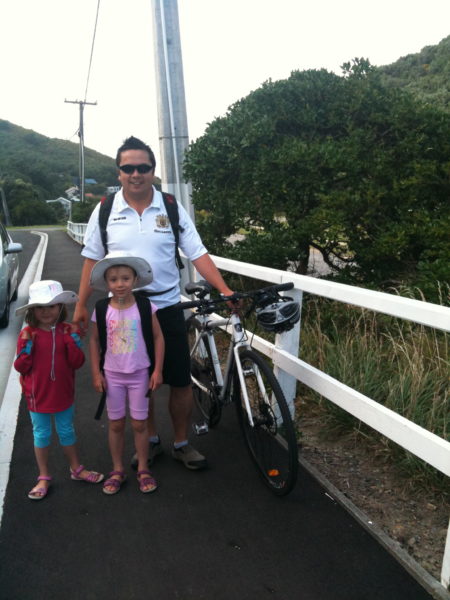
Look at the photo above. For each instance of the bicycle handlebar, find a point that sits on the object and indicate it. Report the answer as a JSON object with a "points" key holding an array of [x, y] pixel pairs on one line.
{"points": [[190, 304], [255, 294]]}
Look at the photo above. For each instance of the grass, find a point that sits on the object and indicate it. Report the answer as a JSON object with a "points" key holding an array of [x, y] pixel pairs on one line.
{"points": [[399, 364], [52, 226]]}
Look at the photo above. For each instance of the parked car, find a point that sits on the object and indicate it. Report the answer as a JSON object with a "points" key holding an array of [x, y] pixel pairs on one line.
{"points": [[9, 274]]}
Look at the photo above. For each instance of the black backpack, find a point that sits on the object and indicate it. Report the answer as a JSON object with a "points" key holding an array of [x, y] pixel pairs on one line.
{"points": [[172, 212], [145, 313]]}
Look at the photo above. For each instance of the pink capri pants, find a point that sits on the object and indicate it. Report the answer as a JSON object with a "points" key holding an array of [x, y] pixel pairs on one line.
{"points": [[119, 386]]}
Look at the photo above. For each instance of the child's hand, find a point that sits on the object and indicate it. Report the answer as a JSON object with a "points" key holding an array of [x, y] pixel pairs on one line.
{"points": [[156, 380], [27, 334], [71, 328], [99, 383]]}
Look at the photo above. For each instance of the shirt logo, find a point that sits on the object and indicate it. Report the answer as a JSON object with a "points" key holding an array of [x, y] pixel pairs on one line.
{"points": [[162, 221]]}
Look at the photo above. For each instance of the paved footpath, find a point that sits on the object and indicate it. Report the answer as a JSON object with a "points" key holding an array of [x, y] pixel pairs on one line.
{"points": [[215, 535]]}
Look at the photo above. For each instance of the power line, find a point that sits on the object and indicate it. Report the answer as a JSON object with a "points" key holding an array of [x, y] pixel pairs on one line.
{"points": [[82, 104], [92, 51]]}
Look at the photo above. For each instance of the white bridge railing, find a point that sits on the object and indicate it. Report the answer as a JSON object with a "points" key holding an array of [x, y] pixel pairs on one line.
{"points": [[284, 353], [76, 231]]}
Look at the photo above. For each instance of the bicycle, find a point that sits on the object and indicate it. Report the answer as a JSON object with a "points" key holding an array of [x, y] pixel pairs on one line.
{"points": [[246, 378]]}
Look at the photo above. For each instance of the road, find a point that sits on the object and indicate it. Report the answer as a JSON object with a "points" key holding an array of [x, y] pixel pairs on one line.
{"points": [[214, 535], [8, 336]]}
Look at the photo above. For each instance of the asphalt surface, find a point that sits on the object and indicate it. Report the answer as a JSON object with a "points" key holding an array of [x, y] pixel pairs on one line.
{"points": [[217, 534]]}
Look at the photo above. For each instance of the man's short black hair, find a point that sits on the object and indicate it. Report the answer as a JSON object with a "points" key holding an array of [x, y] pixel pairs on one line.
{"points": [[134, 143]]}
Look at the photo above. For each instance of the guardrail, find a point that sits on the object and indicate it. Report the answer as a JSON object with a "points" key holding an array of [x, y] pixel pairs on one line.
{"points": [[284, 353], [76, 231]]}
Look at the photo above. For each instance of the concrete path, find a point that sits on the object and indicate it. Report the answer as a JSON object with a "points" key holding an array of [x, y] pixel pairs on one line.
{"points": [[214, 535]]}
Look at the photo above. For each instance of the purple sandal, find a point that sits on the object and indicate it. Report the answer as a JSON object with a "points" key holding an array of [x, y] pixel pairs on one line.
{"points": [[146, 480], [92, 477], [40, 492], [114, 483]]}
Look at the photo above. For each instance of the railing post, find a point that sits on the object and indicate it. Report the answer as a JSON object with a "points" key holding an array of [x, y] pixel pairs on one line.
{"points": [[290, 342], [445, 573]]}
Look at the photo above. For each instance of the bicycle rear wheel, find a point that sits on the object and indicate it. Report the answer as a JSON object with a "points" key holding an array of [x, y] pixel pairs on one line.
{"points": [[204, 381], [271, 437]]}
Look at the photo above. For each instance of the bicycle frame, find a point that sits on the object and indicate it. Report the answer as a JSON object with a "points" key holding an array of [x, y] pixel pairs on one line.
{"points": [[238, 341]]}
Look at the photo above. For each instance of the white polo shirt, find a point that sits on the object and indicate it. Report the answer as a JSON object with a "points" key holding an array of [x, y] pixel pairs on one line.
{"points": [[149, 236]]}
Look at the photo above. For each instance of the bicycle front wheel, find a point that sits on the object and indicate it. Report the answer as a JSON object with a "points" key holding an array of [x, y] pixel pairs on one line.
{"points": [[204, 381], [269, 435]]}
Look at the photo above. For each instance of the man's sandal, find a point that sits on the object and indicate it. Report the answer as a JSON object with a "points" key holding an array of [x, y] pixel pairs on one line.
{"points": [[40, 492], [113, 482], [91, 477], [147, 483]]}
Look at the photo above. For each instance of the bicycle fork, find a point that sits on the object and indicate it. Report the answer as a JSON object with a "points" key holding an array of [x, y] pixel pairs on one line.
{"points": [[238, 334]]}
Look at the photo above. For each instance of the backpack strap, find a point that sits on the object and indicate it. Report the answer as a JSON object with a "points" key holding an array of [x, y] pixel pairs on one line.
{"points": [[100, 314], [171, 205], [145, 312], [105, 210]]}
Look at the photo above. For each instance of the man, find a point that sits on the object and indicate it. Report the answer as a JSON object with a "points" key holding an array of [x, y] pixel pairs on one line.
{"points": [[138, 223]]}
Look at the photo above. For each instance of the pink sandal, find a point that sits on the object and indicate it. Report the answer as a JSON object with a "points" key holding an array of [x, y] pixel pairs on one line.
{"points": [[114, 483], [41, 492], [146, 480], [92, 477]]}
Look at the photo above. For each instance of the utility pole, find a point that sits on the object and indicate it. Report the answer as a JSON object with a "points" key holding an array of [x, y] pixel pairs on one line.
{"points": [[81, 136], [172, 118]]}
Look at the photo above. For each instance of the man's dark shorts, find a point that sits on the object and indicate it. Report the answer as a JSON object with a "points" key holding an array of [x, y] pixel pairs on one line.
{"points": [[176, 370]]}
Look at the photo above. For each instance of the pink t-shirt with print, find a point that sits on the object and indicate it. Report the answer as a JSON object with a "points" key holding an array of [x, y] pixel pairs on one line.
{"points": [[125, 349]]}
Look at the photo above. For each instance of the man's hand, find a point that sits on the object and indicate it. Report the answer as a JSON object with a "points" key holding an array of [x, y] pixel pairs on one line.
{"points": [[81, 319], [81, 315], [71, 328]]}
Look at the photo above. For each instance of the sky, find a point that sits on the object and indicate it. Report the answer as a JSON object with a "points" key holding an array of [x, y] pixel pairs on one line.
{"points": [[229, 48]]}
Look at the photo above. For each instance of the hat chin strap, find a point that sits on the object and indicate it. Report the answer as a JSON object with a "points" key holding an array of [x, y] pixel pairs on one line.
{"points": [[53, 330], [61, 306]]}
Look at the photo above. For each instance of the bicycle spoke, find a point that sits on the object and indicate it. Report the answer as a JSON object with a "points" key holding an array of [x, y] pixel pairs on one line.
{"points": [[203, 376], [270, 435]]}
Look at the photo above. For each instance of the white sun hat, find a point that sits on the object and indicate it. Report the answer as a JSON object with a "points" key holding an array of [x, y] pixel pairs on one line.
{"points": [[47, 293], [119, 258]]}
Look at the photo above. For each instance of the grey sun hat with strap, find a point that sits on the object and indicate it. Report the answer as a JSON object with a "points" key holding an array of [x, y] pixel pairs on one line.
{"points": [[120, 258]]}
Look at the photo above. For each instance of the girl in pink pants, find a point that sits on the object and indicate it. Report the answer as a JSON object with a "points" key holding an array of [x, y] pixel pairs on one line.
{"points": [[127, 352]]}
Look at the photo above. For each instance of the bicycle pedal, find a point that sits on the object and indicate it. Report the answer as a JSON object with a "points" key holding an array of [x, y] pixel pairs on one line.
{"points": [[200, 428]]}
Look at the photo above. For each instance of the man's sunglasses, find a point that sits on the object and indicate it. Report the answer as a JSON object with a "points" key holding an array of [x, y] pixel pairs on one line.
{"points": [[130, 169]]}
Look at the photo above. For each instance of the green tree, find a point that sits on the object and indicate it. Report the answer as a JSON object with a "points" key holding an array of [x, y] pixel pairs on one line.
{"points": [[81, 211], [25, 206], [343, 164], [425, 74]]}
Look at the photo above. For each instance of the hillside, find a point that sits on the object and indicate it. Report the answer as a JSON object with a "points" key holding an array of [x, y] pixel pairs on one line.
{"points": [[426, 74], [49, 164]]}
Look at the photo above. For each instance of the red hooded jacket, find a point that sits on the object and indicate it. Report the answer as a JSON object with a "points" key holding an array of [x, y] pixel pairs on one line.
{"points": [[47, 365]]}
